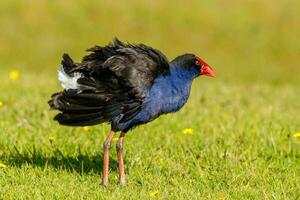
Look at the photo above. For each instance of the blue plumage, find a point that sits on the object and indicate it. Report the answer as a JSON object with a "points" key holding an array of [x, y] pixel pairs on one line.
{"points": [[167, 94]]}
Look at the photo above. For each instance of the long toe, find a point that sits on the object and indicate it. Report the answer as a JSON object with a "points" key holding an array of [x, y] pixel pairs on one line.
{"points": [[122, 181], [104, 183]]}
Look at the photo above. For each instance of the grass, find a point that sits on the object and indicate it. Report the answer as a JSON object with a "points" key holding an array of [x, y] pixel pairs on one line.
{"points": [[242, 146]]}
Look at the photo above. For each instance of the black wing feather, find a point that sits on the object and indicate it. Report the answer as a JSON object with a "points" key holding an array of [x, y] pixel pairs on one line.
{"points": [[113, 85]]}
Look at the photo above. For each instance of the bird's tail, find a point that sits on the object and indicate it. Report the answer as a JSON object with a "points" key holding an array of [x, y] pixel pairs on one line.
{"points": [[67, 63], [66, 75], [82, 109], [81, 103]]}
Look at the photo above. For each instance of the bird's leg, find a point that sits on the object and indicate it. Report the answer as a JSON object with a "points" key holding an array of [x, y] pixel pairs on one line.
{"points": [[106, 147], [119, 146]]}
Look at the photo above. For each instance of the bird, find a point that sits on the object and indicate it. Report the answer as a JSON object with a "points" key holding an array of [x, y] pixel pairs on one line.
{"points": [[125, 85]]}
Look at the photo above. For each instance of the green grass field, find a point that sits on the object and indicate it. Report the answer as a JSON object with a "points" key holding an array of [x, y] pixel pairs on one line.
{"points": [[242, 146]]}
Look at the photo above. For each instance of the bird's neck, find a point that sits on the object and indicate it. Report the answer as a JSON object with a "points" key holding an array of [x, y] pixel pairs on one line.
{"points": [[182, 74], [172, 91]]}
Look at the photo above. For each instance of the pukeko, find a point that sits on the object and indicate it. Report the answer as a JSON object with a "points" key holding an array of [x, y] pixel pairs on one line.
{"points": [[125, 85]]}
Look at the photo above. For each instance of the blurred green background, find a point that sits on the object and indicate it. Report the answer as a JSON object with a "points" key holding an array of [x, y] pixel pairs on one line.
{"points": [[243, 144], [252, 40]]}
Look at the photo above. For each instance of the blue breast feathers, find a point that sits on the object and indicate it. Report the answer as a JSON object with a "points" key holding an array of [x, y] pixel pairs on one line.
{"points": [[167, 94]]}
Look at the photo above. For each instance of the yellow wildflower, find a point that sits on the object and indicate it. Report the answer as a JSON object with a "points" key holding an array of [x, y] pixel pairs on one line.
{"points": [[14, 75], [2, 165], [153, 193], [297, 136], [1, 104], [115, 139], [188, 131], [51, 138], [87, 128], [221, 197]]}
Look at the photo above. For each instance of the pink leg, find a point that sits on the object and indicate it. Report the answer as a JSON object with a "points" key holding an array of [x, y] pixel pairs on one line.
{"points": [[106, 147], [119, 146]]}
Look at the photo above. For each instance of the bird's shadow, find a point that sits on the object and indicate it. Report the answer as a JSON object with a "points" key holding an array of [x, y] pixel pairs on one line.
{"points": [[81, 163]]}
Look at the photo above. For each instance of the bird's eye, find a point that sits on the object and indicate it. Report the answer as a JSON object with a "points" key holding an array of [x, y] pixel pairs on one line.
{"points": [[197, 63]]}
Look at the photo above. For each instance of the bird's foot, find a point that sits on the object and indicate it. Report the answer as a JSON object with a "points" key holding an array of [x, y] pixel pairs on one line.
{"points": [[104, 183], [122, 181]]}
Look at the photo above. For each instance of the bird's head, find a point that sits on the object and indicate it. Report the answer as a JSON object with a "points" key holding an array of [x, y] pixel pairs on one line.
{"points": [[194, 64]]}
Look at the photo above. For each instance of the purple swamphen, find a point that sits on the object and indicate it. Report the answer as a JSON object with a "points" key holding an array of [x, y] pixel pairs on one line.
{"points": [[125, 85]]}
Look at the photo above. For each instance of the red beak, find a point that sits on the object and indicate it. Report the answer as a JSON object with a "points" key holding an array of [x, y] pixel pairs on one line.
{"points": [[207, 71]]}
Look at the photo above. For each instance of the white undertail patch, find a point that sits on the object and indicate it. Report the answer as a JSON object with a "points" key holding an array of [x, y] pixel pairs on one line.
{"points": [[68, 82]]}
